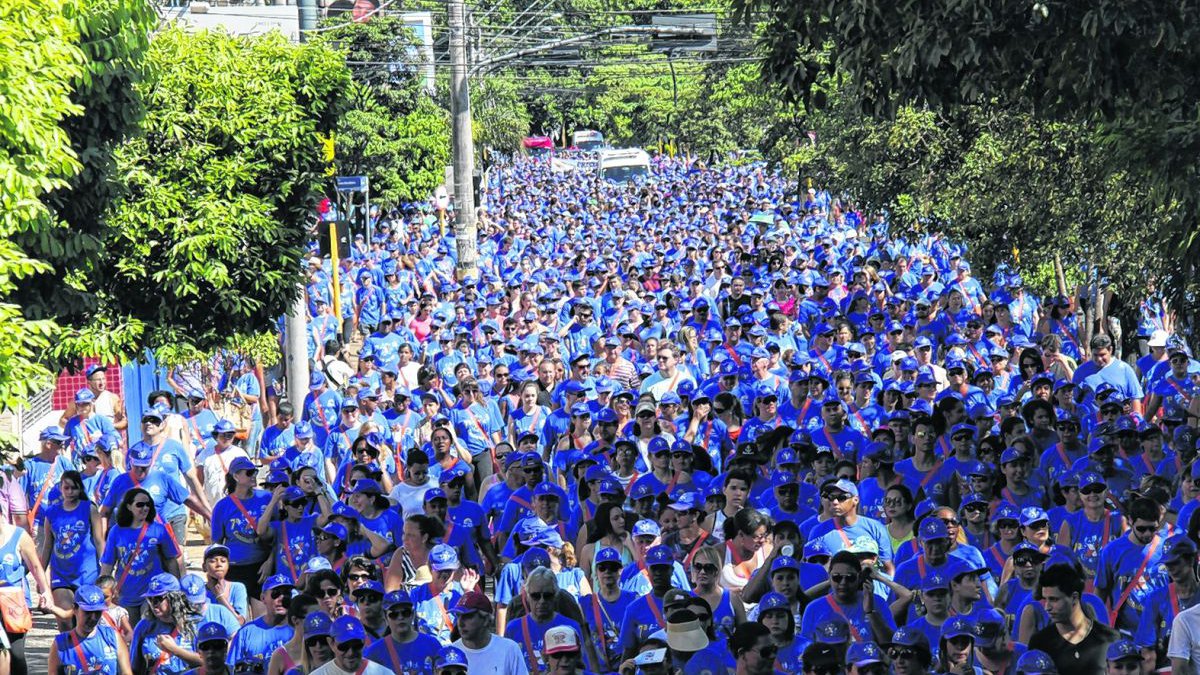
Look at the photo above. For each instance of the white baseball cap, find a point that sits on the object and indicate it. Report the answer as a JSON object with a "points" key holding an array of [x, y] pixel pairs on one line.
{"points": [[561, 639], [1158, 338]]}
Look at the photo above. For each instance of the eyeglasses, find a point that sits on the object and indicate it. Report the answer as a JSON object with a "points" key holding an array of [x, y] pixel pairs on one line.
{"points": [[328, 592], [360, 576], [351, 646], [922, 434], [952, 522], [1024, 561], [319, 640], [1145, 528], [705, 568], [894, 501], [399, 613], [368, 597], [547, 595], [140, 505], [277, 593], [843, 578], [151, 420], [835, 496], [977, 508], [157, 599], [1093, 490], [902, 653]]}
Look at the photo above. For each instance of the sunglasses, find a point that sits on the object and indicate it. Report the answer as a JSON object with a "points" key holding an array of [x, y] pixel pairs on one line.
{"points": [[351, 646], [705, 568], [902, 654], [843, 578], [400, 613], [1093, 490], [277, 593], [768, 652], [1145, 528], [319, 640], [328, 592], [360, 576], [1024, 561], [953, 522], [296, 504], [140, 505], [835, 496], [542, 596], [1007, 525]]}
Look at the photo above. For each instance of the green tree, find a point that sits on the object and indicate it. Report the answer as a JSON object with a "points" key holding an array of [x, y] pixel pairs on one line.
{"points": [[393, 132], [1124, 71], [221, 187]]}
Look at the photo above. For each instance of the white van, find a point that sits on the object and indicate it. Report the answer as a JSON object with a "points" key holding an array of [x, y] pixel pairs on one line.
{"points": [[587, 140], [622, 166]]}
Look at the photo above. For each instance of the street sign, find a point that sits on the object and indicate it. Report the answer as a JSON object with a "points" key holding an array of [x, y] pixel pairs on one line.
{"points": [[351, 183]]}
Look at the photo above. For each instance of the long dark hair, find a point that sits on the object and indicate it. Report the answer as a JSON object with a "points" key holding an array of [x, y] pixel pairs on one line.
{"points": [[125, 513], [76, 478], [600, 525]]}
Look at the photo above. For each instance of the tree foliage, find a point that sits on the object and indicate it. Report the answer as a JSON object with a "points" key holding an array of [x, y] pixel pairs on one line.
{"points": [[221, 186], [66, 99], [393, 132], [1124, 73]]}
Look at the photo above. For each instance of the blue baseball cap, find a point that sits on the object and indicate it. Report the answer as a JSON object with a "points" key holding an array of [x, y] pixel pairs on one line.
{"points": [[53, 434], [908, 636], [317, 624], [241, 464], [608, 555], [211, 632], [278, 581], [450, 657], [934, 582], [347, 629], [659, 555], [932, 529], [1036, 662], [785, 562], [1033, 514], [773, 600], [397, 598], [84, 396], [161, 584], [192, 586], [1123, 649], [957, 626], [90, 598], [864, 654]]}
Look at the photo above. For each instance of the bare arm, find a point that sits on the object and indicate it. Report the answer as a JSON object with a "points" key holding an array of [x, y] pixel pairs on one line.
{"points": [[97, 530]]}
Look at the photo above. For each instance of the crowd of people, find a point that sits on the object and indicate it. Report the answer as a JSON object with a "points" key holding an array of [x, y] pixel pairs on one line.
{"points": [[690, 424]]}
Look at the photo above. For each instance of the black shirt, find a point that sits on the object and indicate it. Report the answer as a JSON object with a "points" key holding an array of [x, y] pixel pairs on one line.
{"points": [[1089, 657]]}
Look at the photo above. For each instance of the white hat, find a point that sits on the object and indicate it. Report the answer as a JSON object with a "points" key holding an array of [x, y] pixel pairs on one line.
{"points": [[1158, 338], [561, 639]]}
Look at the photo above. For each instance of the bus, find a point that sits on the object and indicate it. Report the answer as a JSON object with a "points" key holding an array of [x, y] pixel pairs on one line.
{"points": [[622, 166], [587, 140]]}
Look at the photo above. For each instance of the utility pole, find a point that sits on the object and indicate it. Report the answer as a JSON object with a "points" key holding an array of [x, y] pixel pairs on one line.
{"points": [[296, 322], [465, 234], [308, 17]]}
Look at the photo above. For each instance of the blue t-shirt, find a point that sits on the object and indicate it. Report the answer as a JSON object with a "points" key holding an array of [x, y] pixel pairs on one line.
{"points": [[1088, 538], [605, 619], [74, 560], [231, 527], [137, 556], [433, 613], [294, 545], [99, 651], [164, 491], [531, 636], [1117, 564], [407, 658], [144, 652], [826, 607], [236, 596], [642, 617], [837, 539], [252, 646]]}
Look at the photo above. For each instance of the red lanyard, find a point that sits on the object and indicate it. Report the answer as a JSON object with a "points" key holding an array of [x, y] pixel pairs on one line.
{"points": [[658, 616], [597, 610], [388, 642], [250, 520], [133, 553], [83, 664], [163, 655], [1133, 581], [687, 560], [37, 503], [287, 549], [838, 608], [534, 665]]}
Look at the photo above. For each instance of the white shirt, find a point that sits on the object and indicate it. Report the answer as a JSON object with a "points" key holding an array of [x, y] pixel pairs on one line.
{"points": [[501, 657], [410, 499], [215, 467], [372, 668], [1185, 638]]}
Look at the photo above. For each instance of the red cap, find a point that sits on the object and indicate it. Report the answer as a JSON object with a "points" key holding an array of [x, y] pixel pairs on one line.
{"points": [[473, 602]]}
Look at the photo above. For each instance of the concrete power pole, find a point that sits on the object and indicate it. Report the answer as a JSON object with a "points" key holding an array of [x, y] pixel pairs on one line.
{"points": [[295, 347], [465, 234]]}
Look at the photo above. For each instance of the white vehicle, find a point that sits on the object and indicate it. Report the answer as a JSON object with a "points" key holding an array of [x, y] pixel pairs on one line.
{"points": [[622, 166], [587, 140]]}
